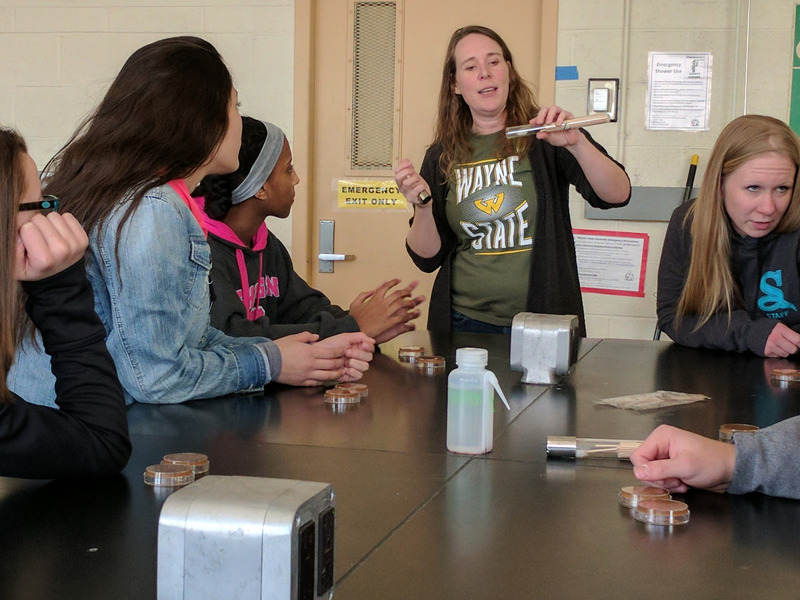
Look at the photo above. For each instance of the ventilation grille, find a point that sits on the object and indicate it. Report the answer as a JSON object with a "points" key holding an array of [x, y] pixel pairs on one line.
{"points": [[373, 85]]}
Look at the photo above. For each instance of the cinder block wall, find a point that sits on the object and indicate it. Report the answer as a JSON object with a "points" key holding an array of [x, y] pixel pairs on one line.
{"points": [[752, 63], [59, 56]]}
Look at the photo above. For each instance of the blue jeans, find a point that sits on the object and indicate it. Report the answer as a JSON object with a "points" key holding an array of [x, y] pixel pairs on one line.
{"points": [[464, 324]]}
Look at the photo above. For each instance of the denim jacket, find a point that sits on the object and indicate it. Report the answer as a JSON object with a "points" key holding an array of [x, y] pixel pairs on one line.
{"points": [[154, 302]]}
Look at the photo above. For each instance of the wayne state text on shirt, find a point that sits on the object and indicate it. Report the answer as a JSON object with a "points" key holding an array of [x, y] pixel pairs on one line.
{"points": [[494, 216]]}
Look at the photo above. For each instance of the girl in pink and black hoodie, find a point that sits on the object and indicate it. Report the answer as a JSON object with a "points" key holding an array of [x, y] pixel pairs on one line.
{"points": [[256, 290]]}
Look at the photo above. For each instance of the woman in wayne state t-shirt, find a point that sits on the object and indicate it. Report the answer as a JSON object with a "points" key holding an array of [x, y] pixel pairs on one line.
{"points": [[488, 208], [498, 226]]}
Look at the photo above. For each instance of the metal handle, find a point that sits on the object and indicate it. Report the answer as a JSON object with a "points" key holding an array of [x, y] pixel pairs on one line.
{"points": [[336, 256], [327, 255]]}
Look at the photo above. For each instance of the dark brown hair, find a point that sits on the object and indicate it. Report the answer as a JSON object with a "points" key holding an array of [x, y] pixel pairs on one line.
{"points": [[162, 117], [12, 187], [454, 119]]}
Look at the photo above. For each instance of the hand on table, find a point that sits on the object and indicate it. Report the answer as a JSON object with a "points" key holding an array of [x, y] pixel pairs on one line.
{"points": [[306, 361], [358, 349], [676, 460], [782, 342]]}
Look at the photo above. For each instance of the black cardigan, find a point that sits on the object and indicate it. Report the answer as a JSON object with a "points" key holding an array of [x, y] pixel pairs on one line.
{"points": [[553, 279], [89, 434]]}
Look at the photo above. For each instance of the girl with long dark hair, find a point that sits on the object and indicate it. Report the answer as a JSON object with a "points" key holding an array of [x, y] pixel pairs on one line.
{"points": [[168, 119]]}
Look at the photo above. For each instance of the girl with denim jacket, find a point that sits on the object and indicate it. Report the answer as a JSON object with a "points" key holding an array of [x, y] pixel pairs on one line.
{"points": [[169, 118]]}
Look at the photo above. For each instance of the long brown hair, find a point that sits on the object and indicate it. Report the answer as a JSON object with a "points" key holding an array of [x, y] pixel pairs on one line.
{"points": [[162, 117], [454, 119], [710, 286], [12, 187]]}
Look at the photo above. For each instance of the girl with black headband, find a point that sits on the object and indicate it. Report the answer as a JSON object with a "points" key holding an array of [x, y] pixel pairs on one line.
{"points": [[256, 289]]}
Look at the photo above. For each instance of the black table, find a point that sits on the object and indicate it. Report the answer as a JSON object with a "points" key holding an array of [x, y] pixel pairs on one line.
{"points": [[416, 522]]}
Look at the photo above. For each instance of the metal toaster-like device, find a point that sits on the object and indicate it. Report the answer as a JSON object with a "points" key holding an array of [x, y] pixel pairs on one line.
{"points": [[247, 538], [543, 347]]}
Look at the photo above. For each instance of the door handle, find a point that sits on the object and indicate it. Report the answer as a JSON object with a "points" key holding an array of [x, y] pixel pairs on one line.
{"points": [[327, 256], [335, 257]]}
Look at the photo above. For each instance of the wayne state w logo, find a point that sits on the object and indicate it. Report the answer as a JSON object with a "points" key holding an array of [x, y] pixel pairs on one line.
{"points": [[490, 205]]}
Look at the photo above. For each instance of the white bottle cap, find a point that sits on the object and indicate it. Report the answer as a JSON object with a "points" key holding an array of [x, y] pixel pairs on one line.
{"points": [[473, 357]]}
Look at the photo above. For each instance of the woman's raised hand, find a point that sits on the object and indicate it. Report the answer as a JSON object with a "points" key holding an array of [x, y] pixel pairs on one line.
{"points": [[550, 115], [411, 183]]}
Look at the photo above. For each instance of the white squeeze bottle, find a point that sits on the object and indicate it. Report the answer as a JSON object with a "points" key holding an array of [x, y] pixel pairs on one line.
{"points": [[470, 403]]}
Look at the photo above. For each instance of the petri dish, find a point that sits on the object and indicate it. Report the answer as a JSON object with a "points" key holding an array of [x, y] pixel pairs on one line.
{"points": [[338, 396], [198, 462], [785, 377], [168, 475], [410, 353], [631, 495], [661, 512], [361, 388], [430, 365], [727, 430]]}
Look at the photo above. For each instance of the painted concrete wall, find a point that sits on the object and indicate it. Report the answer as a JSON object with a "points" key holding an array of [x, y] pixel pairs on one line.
{"points": [[59, 56], [752, 61]]}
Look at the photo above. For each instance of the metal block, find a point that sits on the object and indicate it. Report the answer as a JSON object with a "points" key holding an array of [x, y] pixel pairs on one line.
{"points": [[248, 538], [543, 347]]}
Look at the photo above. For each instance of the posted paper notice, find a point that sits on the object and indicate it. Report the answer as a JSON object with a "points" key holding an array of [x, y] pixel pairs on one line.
{"points": [[679, 91], [611, 262]]}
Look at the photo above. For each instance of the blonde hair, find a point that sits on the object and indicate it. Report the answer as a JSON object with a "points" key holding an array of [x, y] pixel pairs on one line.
{"points": [[454, 119], [710, 287]]}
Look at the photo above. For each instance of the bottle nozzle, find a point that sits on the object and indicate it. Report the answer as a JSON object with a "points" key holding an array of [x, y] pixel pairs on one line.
{"points": [[496, 385]]}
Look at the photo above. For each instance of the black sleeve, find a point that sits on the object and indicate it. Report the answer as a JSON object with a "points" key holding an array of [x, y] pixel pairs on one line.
{"points": [[432, 174], [577, 177], [88, 436], [739, 333]]}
